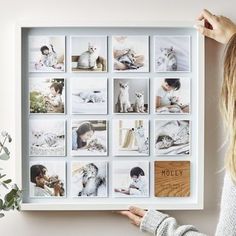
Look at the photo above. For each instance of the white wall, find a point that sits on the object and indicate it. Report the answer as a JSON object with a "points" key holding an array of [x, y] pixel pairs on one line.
{"points": [[109, 223]]}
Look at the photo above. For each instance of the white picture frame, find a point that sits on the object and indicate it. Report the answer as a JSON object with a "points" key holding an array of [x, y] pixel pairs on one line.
{"points": [[196, 199]]}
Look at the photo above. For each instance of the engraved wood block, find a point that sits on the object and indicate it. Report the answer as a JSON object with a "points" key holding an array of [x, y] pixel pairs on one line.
{"points": [[172, 178]]}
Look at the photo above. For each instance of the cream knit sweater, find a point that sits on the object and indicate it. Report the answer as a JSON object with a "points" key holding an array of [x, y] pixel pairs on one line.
{"points": [[160, 224]]}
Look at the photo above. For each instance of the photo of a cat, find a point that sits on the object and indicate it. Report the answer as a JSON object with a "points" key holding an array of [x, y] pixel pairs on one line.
{"points": [[130, 179], [47, 179], [131, 137], [89, 53], [47, 137], [89, 137], [46, 54], [131, 95], [89, 179], [172, 53], [89, 95], [172, 95], [47, 95], [172, 137], [130, 53]]}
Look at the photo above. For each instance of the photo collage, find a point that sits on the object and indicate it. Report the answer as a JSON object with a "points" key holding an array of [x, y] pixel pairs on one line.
{"points": [[102, 106]]}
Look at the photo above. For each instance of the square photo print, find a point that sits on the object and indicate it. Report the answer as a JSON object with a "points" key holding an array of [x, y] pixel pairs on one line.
{"points": [[131, 95], [89, 179], [89, 53], [172, 53], [172, 137], [47, 179], [131, 137], [47, 95], [89, 95], [46, 53], [130, 53], [172, 95], [89, 138], [47, 137], [130, 179]]}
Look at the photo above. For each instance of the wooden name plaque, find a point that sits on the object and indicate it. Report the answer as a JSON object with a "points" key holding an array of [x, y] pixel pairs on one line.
{"points": [[172, 178]]}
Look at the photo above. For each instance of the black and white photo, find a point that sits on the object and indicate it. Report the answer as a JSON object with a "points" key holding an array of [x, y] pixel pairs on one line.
{"points": [[89, 179], [172, 137]]}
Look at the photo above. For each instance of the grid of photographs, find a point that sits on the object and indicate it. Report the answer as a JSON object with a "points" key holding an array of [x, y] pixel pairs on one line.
{"points": [[96, 117]]}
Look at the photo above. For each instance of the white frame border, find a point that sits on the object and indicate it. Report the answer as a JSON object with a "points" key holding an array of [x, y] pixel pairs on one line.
{"points": [[115, 205]]}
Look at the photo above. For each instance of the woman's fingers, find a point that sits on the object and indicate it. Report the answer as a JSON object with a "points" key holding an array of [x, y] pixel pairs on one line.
{"points": [[206, 15], [137, 211], [205, 31], [136, 220]]}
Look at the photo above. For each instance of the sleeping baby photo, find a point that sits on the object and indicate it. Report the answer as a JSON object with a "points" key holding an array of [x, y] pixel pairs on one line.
{"points": [[130, 179], [89, 179], [47, 179], [46, 53], [89, 138], [172, 95], [47, 95]]}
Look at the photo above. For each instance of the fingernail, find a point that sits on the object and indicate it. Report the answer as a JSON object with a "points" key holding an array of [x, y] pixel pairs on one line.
{"points": [[196, 26]]}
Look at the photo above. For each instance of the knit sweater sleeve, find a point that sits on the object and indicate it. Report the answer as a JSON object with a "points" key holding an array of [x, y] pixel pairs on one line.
{"points": [[160, 224], [227, 220]]}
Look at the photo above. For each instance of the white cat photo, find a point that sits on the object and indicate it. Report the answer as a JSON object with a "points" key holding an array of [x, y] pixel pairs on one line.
{"points": [[131, 95], [172, 53], [131, 137], [46, 137], [130, 53], [89, 179], [89, 53], [89, 95], [46, 53]]}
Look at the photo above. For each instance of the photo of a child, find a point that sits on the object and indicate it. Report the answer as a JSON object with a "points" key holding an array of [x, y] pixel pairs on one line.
{"points": [[46, 54], [172, 95], [89, 137], [131, 179], [47, 95], [47, 179]]}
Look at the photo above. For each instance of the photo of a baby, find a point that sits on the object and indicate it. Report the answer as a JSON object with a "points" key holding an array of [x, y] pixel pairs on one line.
{"points": [[47, 179], [172, 137], [46, 137], [172, 53], [89, 95], [131, 137], [130, 53], [46, 53], [89, 138], [47, 95], [89, 179], [172, 95], [89, 53], [131, 179]]}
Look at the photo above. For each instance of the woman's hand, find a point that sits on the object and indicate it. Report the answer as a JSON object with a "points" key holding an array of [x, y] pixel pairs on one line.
{"points": [[218, 28], [135, 214]]}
